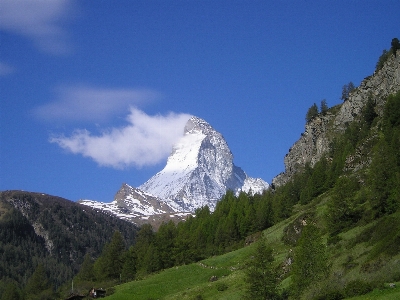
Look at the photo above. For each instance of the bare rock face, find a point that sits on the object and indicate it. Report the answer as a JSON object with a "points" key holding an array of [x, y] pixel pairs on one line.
{"points": [[315, 140], [381, 84]]}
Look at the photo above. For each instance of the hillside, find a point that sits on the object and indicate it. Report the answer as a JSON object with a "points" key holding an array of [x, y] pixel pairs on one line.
{"points": [[366, 253], [332, 219], [38, 229]]}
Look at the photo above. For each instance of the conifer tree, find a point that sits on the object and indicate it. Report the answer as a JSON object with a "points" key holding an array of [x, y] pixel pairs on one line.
{"points": [[324, 107], [38, 283], [86, 272], [129, 268], [109, 264], [261, 277], [342, 210], [11, 292], [312, 112], [310, 260], [383, 178]]}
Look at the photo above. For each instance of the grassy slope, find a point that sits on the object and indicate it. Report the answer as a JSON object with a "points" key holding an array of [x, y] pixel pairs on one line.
{"points": [[191, 281]]}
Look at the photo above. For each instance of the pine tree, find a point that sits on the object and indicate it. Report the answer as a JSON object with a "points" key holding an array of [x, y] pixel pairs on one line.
{"points": [[86, 272], [310, 260], [312, 112], [346, 90], [324, 107], [383, 178], [11, 292], [109, 264], [261, 277], [395, 45], [38, 283], [342, 210], [129, 268]]}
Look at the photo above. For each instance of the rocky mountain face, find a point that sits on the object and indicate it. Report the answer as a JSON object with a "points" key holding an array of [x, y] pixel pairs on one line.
{"points": [[315, 141], [198, 172]]}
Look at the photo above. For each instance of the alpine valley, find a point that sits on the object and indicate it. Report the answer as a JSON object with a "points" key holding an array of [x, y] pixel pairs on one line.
{"points": [[198, 172], [328, 227]]}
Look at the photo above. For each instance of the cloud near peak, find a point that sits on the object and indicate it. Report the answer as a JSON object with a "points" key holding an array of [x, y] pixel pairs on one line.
{"points": [[145, 141]]}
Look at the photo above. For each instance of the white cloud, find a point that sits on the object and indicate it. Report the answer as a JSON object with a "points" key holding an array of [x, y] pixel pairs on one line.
{"points": [[146, 140], [6, 69], [85, 103], [39, 20]]}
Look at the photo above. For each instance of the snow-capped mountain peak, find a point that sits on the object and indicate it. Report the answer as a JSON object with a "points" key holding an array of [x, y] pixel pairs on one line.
{"points": [[199, 170]]}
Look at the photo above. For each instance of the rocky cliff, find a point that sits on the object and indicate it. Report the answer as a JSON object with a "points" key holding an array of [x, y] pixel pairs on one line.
{"points": [[315, 140]]}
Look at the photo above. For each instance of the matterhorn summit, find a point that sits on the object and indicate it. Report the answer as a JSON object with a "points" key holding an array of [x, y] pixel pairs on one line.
{"points": [[199, 171]]}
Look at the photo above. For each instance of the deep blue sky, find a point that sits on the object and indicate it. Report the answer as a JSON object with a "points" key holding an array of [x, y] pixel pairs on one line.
{"points": [[125, 71]]}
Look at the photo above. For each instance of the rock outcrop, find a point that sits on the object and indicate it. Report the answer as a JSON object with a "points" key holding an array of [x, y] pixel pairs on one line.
{"points": [[315, 140]]}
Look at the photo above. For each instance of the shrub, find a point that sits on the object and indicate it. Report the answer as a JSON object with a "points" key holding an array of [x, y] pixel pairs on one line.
{"points": [[357, 287], [222, 286], [382, 59]]}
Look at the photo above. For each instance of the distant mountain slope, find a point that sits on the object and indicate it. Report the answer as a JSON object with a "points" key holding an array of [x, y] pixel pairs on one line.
{"points": [[136, 206], [39, 228]]}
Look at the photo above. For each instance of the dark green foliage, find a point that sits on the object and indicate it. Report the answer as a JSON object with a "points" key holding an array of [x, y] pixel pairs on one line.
{"points": [[369, 113], [312, 112], [86, 271], [343, 210], [346, 90], [164, 242], [330, 295], [383, 180], [385, 236], [145, 250], [261, 277], [357, 287], [38, 284], [11, 292], [310, 260], [129, 268], [395, 45], [222, 286], [391, 117], [315, 181], [324, 107], [109, 264], [382, 59]]}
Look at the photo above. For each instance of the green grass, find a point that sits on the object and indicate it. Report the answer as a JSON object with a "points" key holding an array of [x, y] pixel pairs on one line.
{"points": [[169, 282]]}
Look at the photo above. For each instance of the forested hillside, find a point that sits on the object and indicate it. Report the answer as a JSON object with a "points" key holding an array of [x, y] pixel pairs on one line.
{"points": [[52, 234]]}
